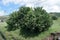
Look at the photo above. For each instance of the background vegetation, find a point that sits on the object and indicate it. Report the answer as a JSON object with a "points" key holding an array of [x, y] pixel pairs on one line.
{"points": [[16, 34]]}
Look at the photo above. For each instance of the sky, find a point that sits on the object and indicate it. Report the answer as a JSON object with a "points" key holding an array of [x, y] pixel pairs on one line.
{"points": [[8, 6]]}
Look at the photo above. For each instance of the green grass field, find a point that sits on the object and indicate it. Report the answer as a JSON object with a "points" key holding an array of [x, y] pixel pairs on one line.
{"points": [[12, 35]]}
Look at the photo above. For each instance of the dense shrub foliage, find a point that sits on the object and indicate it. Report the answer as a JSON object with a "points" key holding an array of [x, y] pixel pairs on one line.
{"points": [[36, 19], [54, 17]]}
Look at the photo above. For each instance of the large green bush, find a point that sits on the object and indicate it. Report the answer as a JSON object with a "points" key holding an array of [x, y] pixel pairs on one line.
{"points": [[32, 19]]}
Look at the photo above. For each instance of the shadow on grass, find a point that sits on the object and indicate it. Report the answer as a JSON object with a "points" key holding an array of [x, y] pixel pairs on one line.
{"points": [[26, 33], [2, 35]]}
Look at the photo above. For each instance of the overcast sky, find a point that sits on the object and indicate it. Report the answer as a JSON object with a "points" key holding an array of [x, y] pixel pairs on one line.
{"points": [[8, 6]]}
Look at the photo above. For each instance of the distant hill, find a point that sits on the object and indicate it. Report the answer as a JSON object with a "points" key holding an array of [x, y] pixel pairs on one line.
{"points": [[55, 13], [4, 18]]}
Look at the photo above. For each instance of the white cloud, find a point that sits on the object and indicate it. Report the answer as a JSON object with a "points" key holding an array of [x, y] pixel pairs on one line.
{"points": [[5, 2], [2, 13], [55, 8], [49, 5], [27, 2]]}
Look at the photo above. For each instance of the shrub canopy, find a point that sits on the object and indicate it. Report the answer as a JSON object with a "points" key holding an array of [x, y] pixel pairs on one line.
{"points": [[33, 19]]}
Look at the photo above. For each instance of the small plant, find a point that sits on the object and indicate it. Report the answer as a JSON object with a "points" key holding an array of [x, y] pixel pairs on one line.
{"points": [[54, 17]]}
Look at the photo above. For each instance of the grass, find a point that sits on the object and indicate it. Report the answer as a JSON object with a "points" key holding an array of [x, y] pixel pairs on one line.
{"points": [[12, 35]]}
